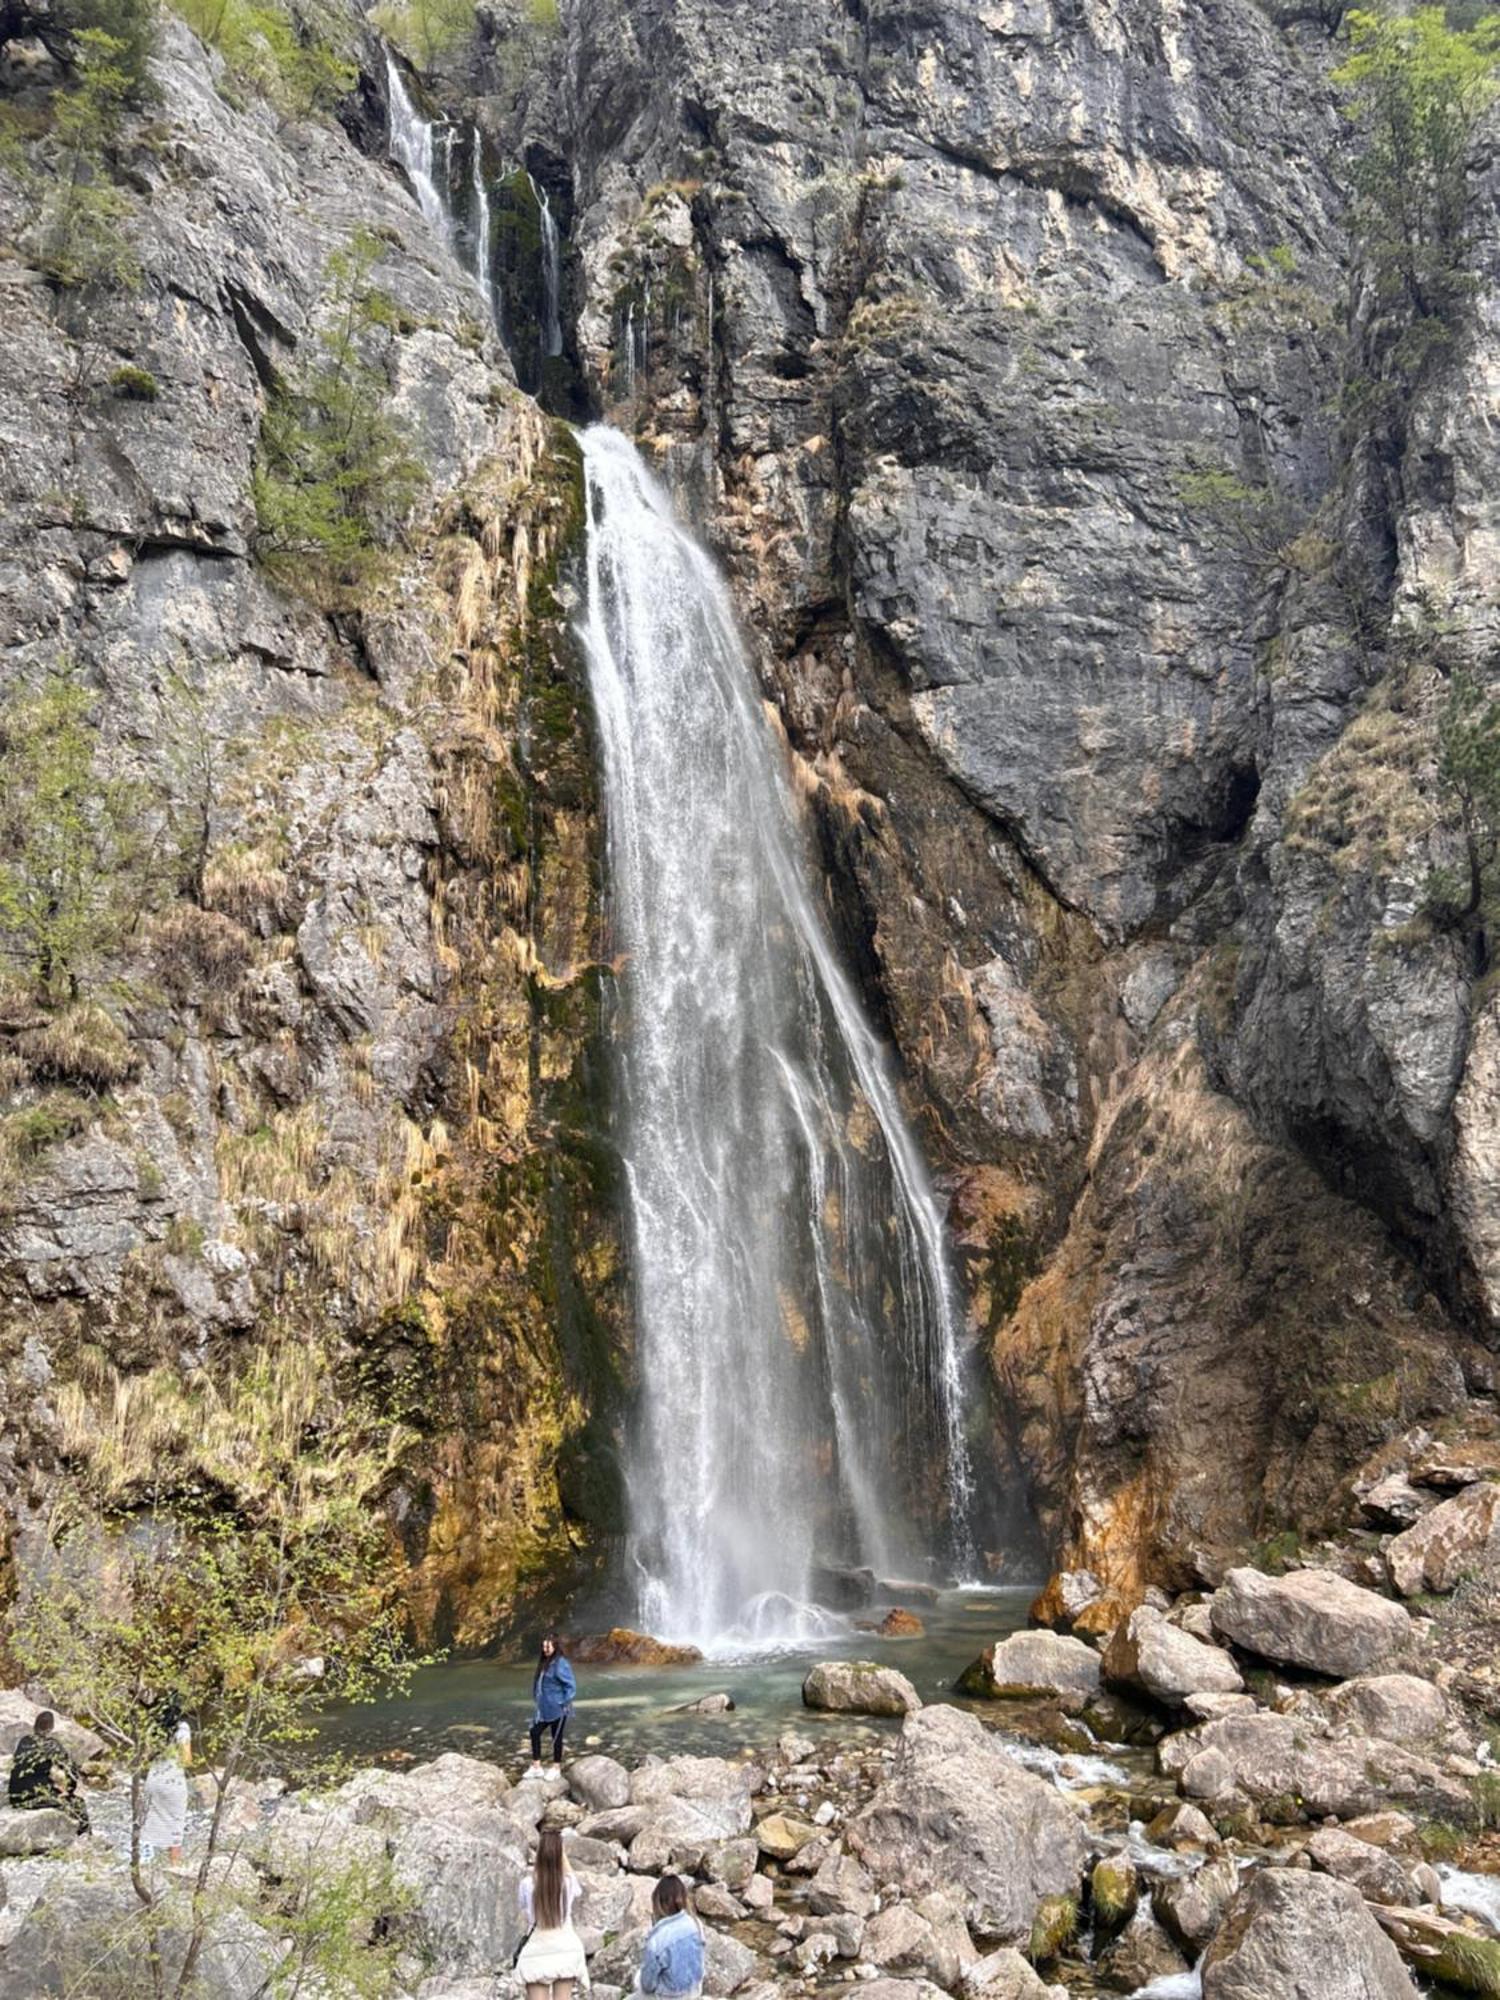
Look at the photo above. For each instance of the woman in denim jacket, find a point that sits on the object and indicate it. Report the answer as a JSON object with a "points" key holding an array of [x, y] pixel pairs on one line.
{"points": [[672, 1958]]}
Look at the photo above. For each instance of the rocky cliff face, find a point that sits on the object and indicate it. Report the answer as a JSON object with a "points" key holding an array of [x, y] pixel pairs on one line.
{"points": [[344, 1115], [999, 348], [1002, 347]]}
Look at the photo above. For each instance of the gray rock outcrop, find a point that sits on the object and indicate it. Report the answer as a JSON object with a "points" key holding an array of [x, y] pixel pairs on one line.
{"points": [[1311, 1618], [1297, 1936], [957, 1812]]}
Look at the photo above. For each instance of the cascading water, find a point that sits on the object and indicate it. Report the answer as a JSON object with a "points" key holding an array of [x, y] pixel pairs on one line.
{"points": [[552, 336], [424, 147], [411, 146], [797, 1334]]}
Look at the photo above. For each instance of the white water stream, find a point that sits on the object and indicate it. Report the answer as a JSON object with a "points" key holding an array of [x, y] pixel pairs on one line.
{"points": [[424, 148], [552, 335], [797, 1331]]}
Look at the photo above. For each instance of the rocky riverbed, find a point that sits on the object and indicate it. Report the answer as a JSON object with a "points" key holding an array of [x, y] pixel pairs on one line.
{"points": [[1213, 1794]]}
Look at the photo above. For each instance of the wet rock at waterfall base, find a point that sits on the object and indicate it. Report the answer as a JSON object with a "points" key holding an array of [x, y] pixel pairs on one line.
{"points": [[1033, 1663], [1150, 1656], [1290, 1933], [957, 1812], [620, 1646], [859, 1687], [1310, 1618]]}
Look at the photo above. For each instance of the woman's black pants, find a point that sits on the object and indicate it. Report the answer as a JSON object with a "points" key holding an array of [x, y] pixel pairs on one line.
{"points": [[557, 1729]]}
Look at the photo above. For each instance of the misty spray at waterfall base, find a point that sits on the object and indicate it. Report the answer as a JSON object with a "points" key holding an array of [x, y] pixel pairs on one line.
{"points": [[799, 1386]]}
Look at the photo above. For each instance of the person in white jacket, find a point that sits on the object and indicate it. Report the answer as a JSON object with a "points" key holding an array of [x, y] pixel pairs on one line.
{"points": [[164, 1800]]}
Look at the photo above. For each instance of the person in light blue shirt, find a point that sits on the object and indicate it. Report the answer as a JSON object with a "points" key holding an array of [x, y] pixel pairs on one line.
{"points": [[553, 1691], [672, 1957]]}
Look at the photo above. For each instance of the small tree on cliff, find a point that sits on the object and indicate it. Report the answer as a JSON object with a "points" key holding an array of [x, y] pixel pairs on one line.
{"points": [[1419, 86], [186, 1606]]}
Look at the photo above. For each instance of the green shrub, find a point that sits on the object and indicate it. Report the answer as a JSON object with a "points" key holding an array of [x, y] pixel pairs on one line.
{"points": [[287, 62], [426, 30], [77, 860], [335, 477], [136, 385], [129, 24]]}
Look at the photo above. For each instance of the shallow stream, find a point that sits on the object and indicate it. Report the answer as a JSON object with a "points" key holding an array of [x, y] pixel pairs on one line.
{"points": [[484, 1707]]}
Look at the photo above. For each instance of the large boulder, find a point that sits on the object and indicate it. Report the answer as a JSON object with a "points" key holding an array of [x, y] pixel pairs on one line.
{"points": [[18, 1712], [1032, 1663], [600, 1783], [842, 1887], [88, 1935], [1451, 1542], [1005, 1975], [450, 1784], [622, 1647], [1311, 1618], [464, 1870], [1293, 1935], [1292, 1768], [928, 1937], [721, 1788], [1378, 1876], [35, 1832], [957, 1812], [1149, 1656], [1402, 1708], [859, 1687]]}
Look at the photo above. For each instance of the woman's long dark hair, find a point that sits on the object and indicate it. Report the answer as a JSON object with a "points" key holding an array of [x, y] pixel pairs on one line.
{"points": [[548, 1900], [547, 1639], [668, 1897]]}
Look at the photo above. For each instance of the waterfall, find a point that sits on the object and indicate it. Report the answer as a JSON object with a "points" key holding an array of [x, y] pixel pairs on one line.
{"points": [[411, 146], [797, 1332], [424, 148], [552, 338], [483, 256]]}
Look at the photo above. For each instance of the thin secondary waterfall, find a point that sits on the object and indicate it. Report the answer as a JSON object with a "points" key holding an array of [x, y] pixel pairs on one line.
{"points": [[424, 147], [411, 146], [797, 1333], [552, 337]]}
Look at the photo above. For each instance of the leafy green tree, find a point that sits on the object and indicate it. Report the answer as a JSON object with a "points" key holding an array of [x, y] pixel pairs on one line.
{"points": [[426, 30], [1469, 769], [79, 857], [335, 476], [84, 214], [131, 25], [1419, 86], [288, 61]]}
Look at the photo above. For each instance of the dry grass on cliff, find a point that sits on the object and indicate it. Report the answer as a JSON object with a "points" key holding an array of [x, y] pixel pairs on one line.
{"points": [[1365, 804], [276, 1434]]}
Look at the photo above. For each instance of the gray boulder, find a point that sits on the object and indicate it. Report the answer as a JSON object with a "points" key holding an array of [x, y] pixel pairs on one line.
{"points": [[88, 1936], [1005, 1975], [1458, 1537], [1291, 1768], [1190, 1908], [1378, 1876], [957, 1812], [1150, 1656], [1294, 1935], [1311, 1618], [859, 1687], [465, 1870], [35, 1832], [841, 1887], [18, 1711], [1402, 1708], [1031, 1663], [600, 1783]]}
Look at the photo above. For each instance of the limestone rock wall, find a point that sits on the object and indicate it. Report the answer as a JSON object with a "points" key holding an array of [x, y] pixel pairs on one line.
{"points": [[1001, 349], [357, 1122]]}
